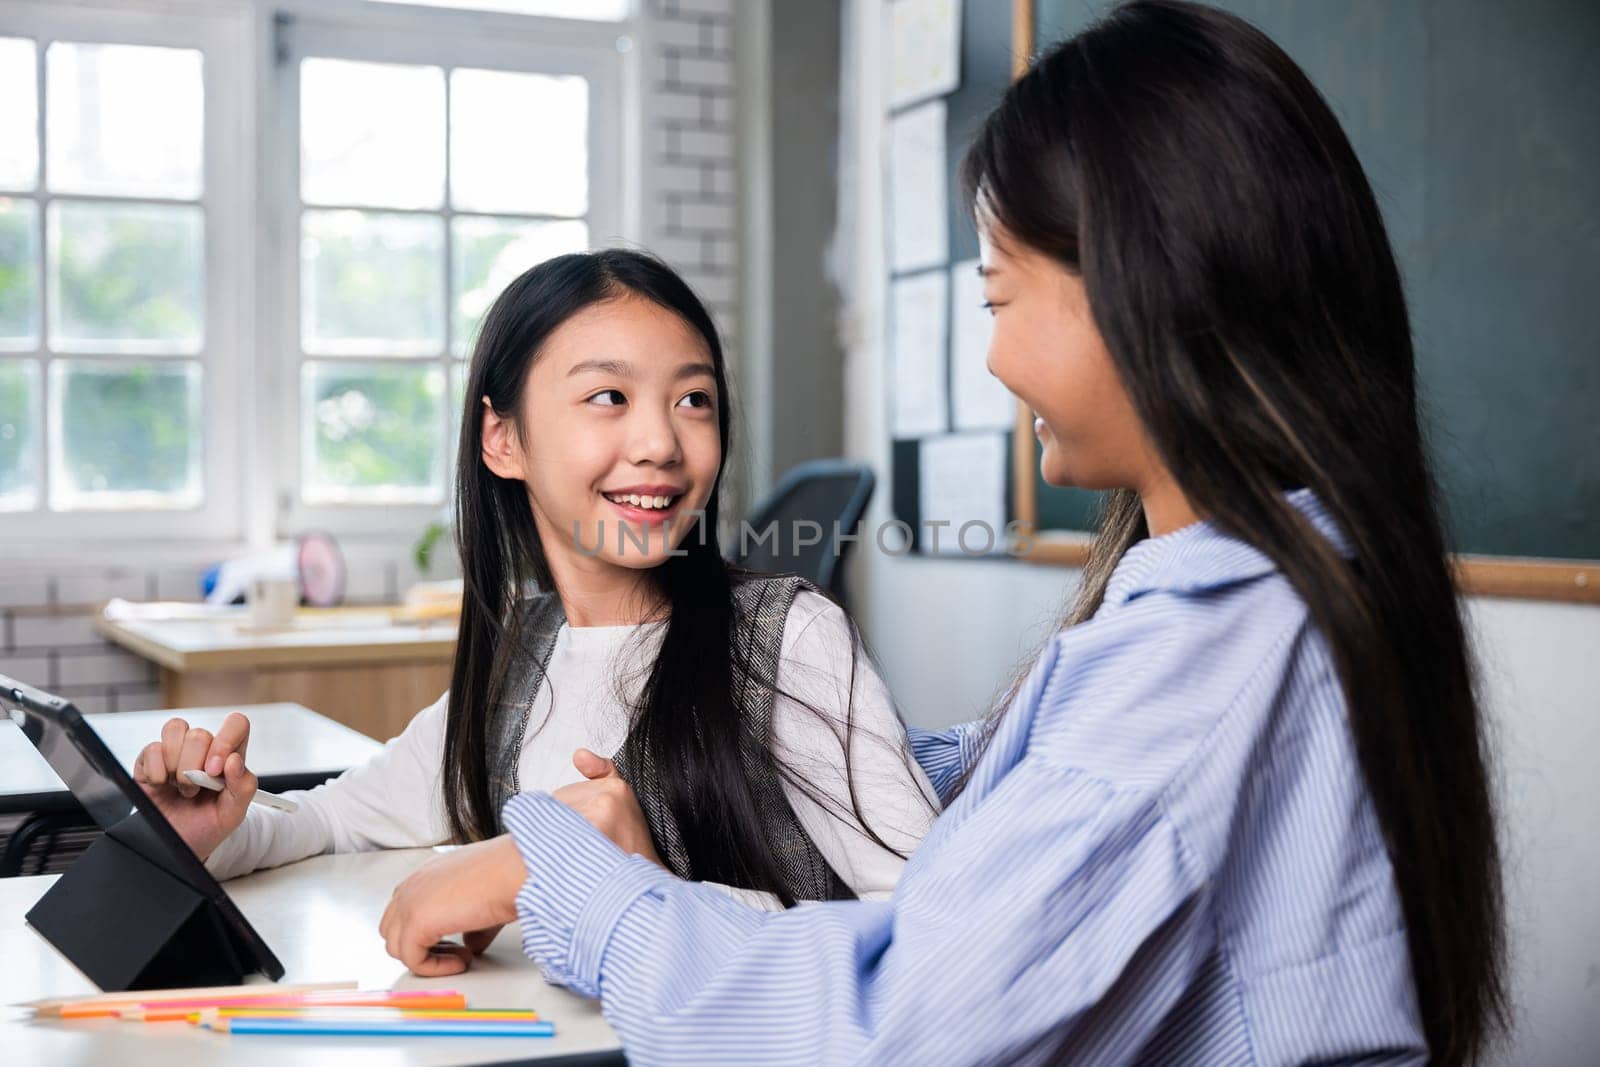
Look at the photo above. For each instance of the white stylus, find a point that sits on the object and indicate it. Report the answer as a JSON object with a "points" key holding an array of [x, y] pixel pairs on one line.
{"points": [[262, 797]]}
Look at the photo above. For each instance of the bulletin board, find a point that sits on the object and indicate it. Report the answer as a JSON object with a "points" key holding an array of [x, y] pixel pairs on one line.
{"points": [[952, 424]]}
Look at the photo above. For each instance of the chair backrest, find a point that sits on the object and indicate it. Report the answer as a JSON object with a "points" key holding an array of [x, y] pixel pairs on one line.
{"points": [[46, 842], [824, 492]]}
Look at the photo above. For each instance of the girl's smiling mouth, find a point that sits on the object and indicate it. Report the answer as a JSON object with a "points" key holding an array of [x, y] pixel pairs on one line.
{"points": [[645, 503]]}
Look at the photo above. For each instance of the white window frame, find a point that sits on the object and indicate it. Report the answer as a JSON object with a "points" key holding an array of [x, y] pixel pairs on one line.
{"points": [[222, 33], [448, 38]]}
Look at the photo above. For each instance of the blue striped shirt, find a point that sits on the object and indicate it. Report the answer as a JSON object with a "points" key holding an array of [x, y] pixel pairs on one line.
{"points": [[1166, 854]]}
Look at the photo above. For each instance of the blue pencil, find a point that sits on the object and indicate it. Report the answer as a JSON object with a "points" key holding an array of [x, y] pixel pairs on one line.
{"points": [[379, 1028]]}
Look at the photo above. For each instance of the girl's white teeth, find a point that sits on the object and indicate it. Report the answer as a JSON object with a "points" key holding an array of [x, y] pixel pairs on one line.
{"points": [[640, 501]]}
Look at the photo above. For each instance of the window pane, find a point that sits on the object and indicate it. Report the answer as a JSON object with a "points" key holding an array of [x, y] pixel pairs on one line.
{"points": [[124, 119], [127, 277], [594, 10], [19, 273], [124, 436], [519, 142], [489, 254], [19, 458], [372, 433], [372, 283], [371, 134], [19, 118]]}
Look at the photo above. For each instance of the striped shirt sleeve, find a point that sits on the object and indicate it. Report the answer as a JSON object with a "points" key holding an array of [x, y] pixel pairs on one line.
{"points": [[945, 755], [1037, 911]]}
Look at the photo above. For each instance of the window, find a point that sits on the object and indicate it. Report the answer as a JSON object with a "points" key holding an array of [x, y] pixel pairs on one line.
{"points": [[418, 190], [225, 315], [115, 276]]}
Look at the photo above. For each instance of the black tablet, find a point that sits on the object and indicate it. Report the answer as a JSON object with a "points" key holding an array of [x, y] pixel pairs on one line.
{"points": [[117, 803]]}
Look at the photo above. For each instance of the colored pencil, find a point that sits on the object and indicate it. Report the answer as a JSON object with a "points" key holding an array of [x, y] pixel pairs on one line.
{"points": [[91, 1004], [445, 999], [378, 1028], [356, 1014]]}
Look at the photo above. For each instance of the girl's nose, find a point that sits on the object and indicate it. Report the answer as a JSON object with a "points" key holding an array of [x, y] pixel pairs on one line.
{"points": [[654, 441]]}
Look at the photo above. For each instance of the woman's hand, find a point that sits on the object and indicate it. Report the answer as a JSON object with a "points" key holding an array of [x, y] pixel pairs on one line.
{"points": [[472, 889], [201, 816], [609, 804]]}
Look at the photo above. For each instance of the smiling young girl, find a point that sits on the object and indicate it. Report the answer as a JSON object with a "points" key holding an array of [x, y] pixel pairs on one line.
{"points": [[599, 617], [1238, 811]]}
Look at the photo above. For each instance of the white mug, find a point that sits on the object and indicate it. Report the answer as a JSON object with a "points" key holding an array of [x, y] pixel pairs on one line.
{"points": [[273, 602]]}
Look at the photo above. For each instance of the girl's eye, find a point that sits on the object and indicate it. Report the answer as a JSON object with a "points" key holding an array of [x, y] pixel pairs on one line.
{"points": [[697, 399], [988, 305], [609, 398]]}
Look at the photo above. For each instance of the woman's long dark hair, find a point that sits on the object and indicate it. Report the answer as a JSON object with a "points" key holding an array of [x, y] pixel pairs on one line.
{"points": [[688, 721], [1239, 271]]}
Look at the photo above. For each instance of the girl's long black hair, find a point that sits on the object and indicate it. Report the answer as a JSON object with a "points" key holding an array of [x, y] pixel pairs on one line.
{"points": [[1239, 270], [687, 721]]}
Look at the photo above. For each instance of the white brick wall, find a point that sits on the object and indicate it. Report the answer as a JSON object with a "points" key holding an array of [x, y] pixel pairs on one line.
{"points": [[692, 214]]}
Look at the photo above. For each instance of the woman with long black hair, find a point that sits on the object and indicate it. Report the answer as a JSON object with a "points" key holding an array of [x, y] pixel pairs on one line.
{"points": [[1238, 811]]}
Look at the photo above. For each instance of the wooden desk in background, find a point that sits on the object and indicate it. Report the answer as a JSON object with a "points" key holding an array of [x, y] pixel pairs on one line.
{"points": [[353, 665]]}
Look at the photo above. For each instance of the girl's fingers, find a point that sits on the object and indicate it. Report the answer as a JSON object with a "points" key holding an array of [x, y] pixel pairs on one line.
{"points": [[151, 766], [195, 745], [239, 785], [592, 766], [173, 733], [232, 736]]}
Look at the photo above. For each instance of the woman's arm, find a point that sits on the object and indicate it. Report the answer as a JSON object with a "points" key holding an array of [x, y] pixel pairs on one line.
{"points": [[1010, 937], [391, 801]]}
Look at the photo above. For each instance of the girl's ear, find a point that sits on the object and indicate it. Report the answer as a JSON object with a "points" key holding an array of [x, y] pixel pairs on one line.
{"points": [[501, 453]]}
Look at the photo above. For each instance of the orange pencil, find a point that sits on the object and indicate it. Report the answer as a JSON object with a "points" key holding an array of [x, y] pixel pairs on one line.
{"points": [[97, 1005]]}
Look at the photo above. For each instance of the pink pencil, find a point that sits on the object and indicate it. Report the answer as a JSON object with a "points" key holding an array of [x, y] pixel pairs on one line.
{"points": [[343, 997]]}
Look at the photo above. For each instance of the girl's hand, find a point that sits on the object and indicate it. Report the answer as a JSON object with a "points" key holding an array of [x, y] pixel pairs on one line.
{"points": [[609, 804], [472, 889], [202, 817]]}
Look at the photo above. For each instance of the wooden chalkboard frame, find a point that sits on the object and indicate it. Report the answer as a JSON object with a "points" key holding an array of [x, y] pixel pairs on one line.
{"points": [[1576, 581]]}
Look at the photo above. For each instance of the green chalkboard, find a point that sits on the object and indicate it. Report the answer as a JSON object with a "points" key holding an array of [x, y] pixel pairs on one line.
{"points": [[1476, 121]]}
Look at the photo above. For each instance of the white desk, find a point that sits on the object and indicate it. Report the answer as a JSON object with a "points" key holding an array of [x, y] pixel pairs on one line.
{"points": [[320, 917], [291, 747]]}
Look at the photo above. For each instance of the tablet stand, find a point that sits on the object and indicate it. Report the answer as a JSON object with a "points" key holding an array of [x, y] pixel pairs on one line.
{"points": [[128, 924]]}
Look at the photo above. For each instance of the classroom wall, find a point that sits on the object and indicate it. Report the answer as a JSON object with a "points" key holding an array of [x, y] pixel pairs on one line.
{"points": [[949, 633]]}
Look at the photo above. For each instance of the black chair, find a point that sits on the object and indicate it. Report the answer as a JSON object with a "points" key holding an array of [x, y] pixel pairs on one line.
{"points": [[46, 842], [824, 492]]}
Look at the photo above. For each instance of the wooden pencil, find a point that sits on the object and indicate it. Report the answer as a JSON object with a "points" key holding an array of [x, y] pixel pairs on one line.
{"points": [[398, 1028], [166, 1013], [356, 1014], [51, 1007]]}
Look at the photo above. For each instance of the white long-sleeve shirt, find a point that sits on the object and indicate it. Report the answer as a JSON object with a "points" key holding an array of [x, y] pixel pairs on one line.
{"points": [[595, 674]]}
